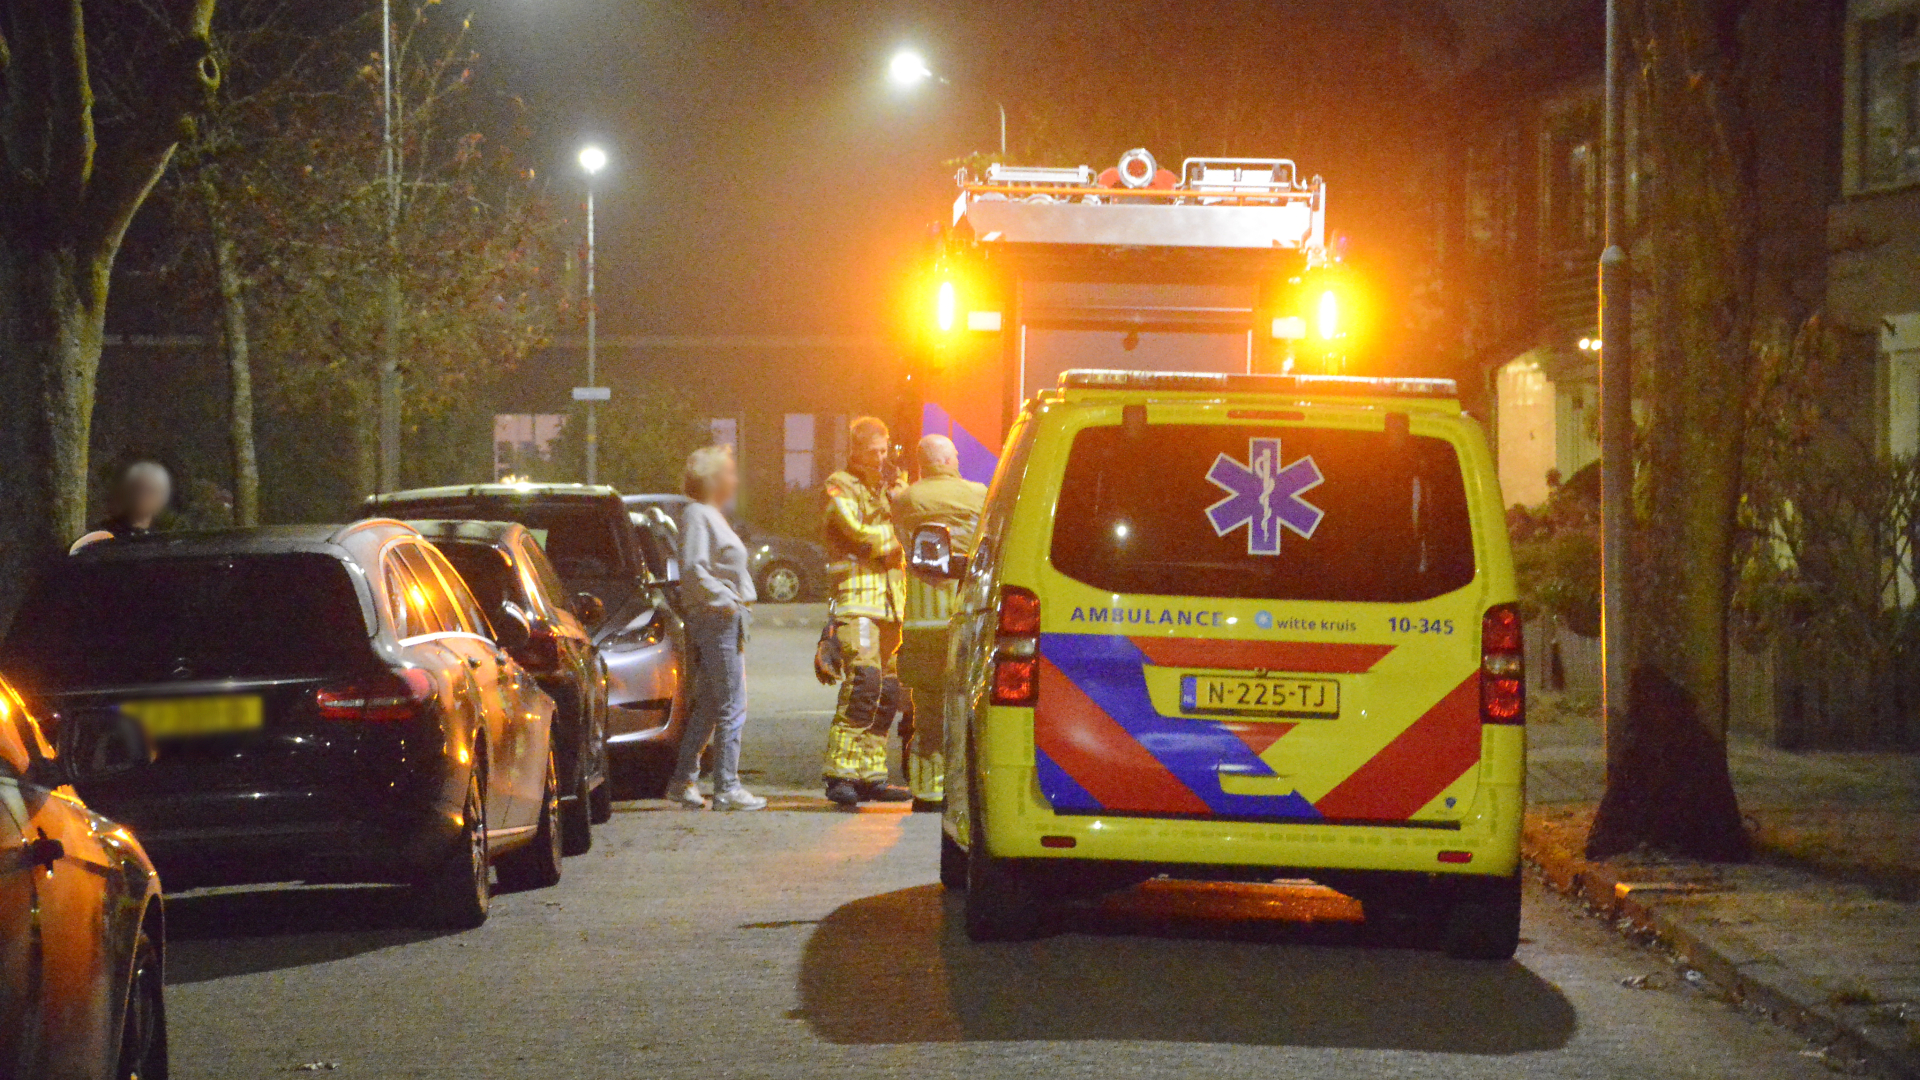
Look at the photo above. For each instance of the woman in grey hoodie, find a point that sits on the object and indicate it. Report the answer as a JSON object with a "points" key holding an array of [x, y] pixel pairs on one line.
{"points": [[716, 591]]}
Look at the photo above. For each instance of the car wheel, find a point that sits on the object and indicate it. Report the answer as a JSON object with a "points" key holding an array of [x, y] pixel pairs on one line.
{"points": [[458, 895], [953, 863], [600, 803], [143, 1032], [782, 584], [576, 822], [1001, 904], [537, 866], [1483, 922]]}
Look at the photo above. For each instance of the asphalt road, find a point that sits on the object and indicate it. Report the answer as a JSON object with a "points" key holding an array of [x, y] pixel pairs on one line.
{"points": [[814, 944]]}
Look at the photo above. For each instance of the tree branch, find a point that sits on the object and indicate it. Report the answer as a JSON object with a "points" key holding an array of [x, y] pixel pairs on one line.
{"points": [[130, 157], [48, 126]]}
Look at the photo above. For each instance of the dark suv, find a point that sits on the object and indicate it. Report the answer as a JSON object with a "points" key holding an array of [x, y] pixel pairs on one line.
{"points": [[586, 533], [328, 703], [785, 569], [513, 581]]}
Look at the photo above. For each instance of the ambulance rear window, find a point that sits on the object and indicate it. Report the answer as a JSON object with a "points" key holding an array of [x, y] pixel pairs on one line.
{"points": [[1283, 513]]}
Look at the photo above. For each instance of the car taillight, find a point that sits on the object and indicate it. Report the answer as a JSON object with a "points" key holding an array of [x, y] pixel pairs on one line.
{"points": [[397, 695], [541, 653], [1503, 668], [1016, 658]]}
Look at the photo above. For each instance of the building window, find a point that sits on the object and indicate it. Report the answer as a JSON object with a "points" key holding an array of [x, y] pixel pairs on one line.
{"points": [[1890, 100], [725, 431], [799, 450], [1571, 176], [1490, 214]]}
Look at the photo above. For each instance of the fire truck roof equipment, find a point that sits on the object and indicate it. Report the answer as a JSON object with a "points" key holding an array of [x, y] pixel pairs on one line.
{"points": [[1247, 203]]}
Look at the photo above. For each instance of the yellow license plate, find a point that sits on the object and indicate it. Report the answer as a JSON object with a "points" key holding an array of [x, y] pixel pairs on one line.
{"points": [[187, 717], [1259, 695]]}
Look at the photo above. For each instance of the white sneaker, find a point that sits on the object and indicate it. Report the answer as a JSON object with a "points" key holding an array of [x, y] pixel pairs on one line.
{"points": [[687, 797], [738, 799]]}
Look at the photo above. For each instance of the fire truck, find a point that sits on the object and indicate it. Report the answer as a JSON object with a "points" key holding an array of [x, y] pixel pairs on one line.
{"points": [[1221, 267]]}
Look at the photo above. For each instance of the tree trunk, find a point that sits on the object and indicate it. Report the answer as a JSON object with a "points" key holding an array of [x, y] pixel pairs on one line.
{"points": [[68, 189], [1668, 786], [366, 434], [55, 301], [235, 343]]}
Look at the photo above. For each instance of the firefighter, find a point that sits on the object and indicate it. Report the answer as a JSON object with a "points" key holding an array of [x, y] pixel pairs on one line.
{"points": [[940, 497], [868, 569]]}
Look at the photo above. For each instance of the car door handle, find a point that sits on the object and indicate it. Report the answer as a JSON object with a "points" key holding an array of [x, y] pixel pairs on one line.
{"points": [[45, 851]]}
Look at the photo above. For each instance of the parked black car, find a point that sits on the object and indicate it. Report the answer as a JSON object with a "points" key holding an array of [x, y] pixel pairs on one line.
{"points": [[587, 534], [328, 703], [82, 933], [785, 569], [514, 582]]}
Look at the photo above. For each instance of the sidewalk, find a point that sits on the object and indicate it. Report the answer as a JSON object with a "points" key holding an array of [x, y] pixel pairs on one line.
{"points": [[1822, 930]]}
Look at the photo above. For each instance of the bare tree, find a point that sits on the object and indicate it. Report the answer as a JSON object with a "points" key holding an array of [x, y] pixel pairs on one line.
{"points": [[74, 168], [1669, 787]]}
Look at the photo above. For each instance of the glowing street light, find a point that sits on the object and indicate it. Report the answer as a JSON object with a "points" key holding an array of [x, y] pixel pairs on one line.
{"points": [[909, 69], [592, 159]]}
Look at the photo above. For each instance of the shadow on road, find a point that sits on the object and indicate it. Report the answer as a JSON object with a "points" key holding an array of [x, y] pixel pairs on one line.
{"points": [[897, 968], [218, 935]]}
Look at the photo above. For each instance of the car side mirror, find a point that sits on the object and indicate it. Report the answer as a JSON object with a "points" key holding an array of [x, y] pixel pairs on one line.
{"points": [[94, 747], [513, 629], [589, 609], [933, 555]]}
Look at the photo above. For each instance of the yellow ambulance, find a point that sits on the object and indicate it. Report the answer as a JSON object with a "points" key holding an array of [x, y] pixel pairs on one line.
{"points": [[1242, 627]]}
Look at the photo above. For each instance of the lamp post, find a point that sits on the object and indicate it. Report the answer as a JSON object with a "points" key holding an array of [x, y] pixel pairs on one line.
{"points": [[908, 69], [1616, 402], [592, 160], [387, 403]]}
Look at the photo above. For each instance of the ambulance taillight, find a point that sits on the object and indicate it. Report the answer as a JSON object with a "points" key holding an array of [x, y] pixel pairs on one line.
{"points": [[1503, 671], [1016, 654]]}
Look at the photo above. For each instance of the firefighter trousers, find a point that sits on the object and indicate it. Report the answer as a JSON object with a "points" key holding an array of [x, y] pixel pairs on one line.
{"points": [[923, 669], [869, 697]]}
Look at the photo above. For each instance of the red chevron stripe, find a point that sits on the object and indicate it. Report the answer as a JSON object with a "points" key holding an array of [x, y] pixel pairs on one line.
{"points": [[1416, 766], [1099, 754], [1258, 736], [1334, 657]]}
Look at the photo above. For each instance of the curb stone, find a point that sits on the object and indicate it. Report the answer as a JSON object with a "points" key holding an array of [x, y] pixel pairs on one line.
{"points": [[1754, 982]]}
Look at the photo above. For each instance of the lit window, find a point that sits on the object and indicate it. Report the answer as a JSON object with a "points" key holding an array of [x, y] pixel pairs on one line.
{"points": [[1890, 100]]}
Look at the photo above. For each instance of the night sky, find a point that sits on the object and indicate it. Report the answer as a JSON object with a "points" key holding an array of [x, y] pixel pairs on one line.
{"points": [[766, 178]]}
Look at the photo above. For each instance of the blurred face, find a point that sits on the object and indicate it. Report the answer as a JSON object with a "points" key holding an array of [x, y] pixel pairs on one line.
{"points": [[145, 493], [868, 454], [726, 483]]}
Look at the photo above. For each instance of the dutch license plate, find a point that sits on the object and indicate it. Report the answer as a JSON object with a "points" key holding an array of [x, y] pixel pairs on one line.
{"points": [[1259, 695], [189, 717]]}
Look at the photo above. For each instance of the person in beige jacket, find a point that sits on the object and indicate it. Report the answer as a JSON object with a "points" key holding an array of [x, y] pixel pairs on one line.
{"points": [[940, 497]]}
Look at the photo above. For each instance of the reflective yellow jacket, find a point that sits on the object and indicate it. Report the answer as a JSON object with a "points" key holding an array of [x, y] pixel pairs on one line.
{"points": [[864, 560]]}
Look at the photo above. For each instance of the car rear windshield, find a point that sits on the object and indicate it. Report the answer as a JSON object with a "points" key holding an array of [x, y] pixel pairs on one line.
{"points": [[1282, 513], [581, 538], [147, 620]]}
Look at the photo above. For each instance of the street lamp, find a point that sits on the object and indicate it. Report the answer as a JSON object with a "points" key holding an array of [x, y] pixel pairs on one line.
{"points": [[909, 69], [387, 394], [592, 160]]}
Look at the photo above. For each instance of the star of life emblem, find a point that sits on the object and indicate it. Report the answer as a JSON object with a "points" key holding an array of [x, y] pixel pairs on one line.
{"points": [[1264, 496]]}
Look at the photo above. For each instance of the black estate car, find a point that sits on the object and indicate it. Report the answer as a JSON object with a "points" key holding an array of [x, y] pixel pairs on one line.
{"points": [[513, 581], [327, 703]]}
